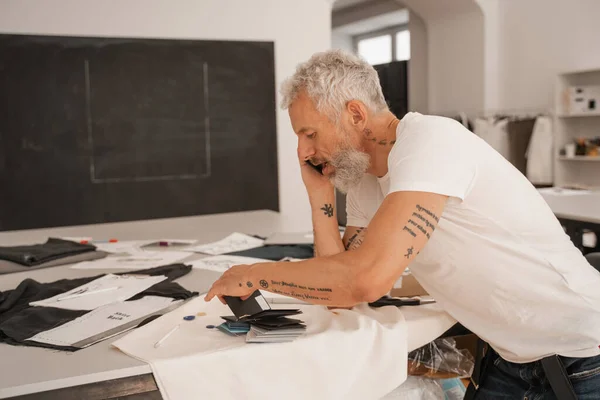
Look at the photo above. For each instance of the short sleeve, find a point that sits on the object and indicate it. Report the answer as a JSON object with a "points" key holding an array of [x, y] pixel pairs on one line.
{"points": [[436, 155], [355, 214]]}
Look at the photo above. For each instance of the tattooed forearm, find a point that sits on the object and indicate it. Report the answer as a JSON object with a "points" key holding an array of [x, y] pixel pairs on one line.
{"points": [[292, 289], [293, 285], [421, 221], [356, 240], [327, 210], [301, 296]]}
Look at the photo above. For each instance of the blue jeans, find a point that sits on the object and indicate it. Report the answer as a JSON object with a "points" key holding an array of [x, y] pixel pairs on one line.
{"points": [[506, 380]]}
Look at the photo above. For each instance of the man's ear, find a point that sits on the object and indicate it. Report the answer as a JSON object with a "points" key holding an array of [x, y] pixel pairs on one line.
{"points": [[357, 113]]}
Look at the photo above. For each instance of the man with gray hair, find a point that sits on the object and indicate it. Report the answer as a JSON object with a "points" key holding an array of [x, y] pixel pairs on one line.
{"points": [[425, 192]]}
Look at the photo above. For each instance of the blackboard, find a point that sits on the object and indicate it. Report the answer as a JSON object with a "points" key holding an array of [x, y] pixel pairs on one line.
{"points": [[114, 129]]}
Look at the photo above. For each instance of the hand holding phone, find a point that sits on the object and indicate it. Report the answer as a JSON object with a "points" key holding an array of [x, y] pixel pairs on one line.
{"points": [[318, 168]]}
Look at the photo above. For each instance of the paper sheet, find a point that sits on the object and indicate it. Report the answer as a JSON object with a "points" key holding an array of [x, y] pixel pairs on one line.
{"points": [[99, 292], [125, 247], [104, 320], [234, 242], [224, 262], [139, 260]]}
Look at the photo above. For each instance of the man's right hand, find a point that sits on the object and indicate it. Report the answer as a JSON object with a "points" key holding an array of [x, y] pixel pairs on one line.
{"points": [[316, 184]]}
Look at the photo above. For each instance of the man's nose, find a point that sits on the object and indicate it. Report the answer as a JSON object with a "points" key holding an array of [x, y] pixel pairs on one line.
{"points": [[306, 150]]}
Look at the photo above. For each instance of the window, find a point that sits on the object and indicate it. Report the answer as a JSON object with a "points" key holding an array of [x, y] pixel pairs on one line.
{"points": [[384, 46], [376, 50], [402, 46]]}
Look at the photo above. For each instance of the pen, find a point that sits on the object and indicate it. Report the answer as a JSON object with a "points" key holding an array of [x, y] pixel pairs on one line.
{"points": [[73, 296], [161, 341], [98, 241]]}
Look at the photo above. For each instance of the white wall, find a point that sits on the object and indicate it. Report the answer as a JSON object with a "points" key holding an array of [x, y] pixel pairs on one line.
{"points": [[536, 40], [282, 21], [456, 63], [455, 54], [418, 99], [341, 40]]}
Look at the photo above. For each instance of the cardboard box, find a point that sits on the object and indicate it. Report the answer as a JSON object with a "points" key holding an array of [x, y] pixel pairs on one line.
{"points": [[409, 287]]}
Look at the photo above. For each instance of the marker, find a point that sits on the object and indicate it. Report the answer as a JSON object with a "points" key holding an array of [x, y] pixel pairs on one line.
{"points": [[161, 341], [99, 241], [74, 296]]}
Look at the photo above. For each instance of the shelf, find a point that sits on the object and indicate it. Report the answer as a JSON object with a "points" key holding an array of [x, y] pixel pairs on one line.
{"points": [[579, 158], [580, 115]]}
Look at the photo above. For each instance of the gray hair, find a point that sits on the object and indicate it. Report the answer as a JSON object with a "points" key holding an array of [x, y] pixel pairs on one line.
{"points": [[332, 79]]}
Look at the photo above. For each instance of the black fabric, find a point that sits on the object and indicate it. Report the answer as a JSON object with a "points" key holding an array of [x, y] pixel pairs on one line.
{"points": [[277, 252], [19, 321], [36, 254]]}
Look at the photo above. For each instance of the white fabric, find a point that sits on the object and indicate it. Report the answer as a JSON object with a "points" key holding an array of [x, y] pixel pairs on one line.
{"points": [[540, 151], [499, 261], [349, 354], [495, 133]]}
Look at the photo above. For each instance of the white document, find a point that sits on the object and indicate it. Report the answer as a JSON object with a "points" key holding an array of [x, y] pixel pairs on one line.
{"points": [[124, 247], [103, 322], [234, 242], [77, 239], [224, 262], [139, 260], [104, 290]]}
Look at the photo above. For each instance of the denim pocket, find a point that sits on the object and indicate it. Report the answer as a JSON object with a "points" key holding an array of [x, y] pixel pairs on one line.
{"points": [[577, 376], [497, 360]]}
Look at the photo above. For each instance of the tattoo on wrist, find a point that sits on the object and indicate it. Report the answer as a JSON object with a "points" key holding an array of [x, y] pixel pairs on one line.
{"points": [[409, 252], [264, 284], [420, 221], [327, 210], [249, 284]]}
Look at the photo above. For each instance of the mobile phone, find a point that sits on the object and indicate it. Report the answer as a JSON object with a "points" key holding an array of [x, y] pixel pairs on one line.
{"points": [[318, 168]]}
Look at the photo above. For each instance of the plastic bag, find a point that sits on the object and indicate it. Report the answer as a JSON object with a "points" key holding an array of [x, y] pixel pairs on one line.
{"points": [[415, 388], [440, 359]]}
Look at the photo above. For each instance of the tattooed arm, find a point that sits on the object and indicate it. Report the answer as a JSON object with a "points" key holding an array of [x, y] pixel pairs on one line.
{"points": [[353, 237], [325, 225], [401, 227]]}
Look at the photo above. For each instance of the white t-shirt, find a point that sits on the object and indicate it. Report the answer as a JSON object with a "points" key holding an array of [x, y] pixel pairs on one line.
{"points": [[499, 262]]}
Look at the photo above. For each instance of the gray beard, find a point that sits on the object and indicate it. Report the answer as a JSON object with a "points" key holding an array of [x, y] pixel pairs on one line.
{"points": [[350, 167]]}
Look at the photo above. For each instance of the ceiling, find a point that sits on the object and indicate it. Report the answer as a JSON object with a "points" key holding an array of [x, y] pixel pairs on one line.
{"points": [[339, 4], [426, 9]]}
